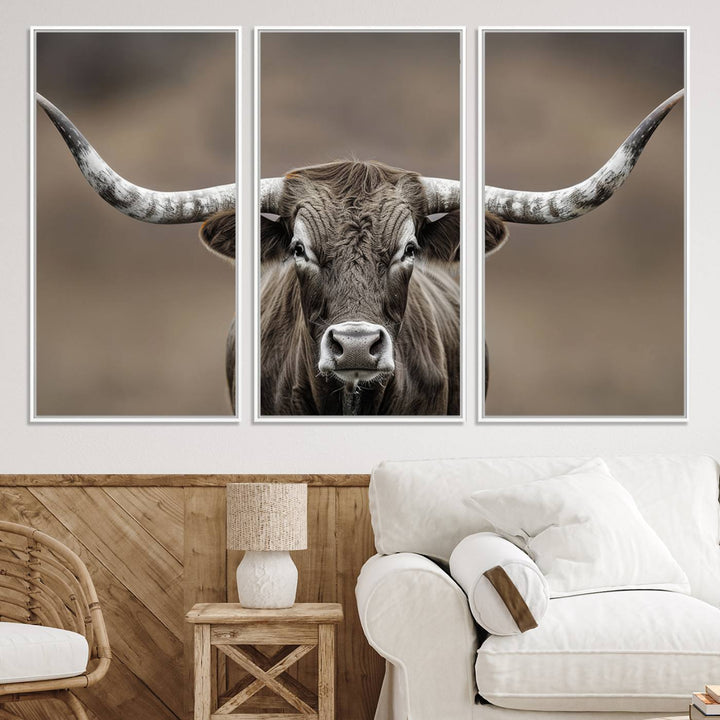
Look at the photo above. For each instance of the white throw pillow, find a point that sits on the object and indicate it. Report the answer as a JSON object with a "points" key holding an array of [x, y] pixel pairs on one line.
{"points": [[506, 591], [584, 531]]}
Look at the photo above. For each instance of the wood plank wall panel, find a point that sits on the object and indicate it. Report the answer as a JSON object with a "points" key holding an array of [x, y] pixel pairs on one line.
{"points": [[205, 565], [155, 545], [137, 559], [144, 505], [317, 566], [360, 669], [145, 678]]}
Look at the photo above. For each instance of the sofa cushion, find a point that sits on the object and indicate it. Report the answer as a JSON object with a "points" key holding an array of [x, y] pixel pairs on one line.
{"points": [[506, 591], [632, 650], [584, 531], [422, 506], [35, 652]]}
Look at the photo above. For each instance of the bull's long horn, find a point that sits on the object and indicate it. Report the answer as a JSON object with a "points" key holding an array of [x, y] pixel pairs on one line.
{"points": [[140, 203], [560, 205], [270, 192], [442, 195]]}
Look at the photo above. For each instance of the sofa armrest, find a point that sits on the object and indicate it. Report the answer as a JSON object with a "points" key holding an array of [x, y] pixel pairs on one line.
{"points": [[418, 619]]}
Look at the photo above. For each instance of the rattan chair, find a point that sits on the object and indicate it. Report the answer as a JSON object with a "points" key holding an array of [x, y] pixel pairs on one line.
{"points": [[42, 582]]}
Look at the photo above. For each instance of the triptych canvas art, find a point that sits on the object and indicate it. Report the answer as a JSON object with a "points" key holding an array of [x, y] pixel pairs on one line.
{"points": [[366, 209]]}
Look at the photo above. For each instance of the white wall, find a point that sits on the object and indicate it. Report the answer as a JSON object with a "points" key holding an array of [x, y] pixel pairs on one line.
{"points": [[326, 448]]}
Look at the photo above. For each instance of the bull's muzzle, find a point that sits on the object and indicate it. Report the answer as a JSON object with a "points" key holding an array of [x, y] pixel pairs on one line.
{"points": [[355, 351]]}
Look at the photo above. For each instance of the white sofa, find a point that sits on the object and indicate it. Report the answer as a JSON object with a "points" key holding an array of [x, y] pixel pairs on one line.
{"points": [[604, 656]]}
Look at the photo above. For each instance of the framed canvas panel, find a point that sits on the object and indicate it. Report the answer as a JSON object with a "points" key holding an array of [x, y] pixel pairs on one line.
{"points": [[359, 180], [584, 270], [131, 313]]}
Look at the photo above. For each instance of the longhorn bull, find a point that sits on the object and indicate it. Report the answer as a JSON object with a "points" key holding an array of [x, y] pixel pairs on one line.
{"points": [[356, 354]]}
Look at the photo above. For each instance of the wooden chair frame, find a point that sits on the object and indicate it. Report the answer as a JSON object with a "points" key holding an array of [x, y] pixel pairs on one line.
{"points": [[42, 582]]}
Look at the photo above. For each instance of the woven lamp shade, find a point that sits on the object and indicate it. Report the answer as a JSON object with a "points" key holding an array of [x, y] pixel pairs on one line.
{"points": [[266, 516]]}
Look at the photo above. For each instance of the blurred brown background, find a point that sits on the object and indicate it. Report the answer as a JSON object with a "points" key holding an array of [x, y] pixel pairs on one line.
{"points": [[392, 97], [132, 317], [586, 317]]}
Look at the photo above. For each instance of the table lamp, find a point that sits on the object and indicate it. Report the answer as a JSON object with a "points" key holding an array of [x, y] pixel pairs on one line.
{"points": [[267, 520]]}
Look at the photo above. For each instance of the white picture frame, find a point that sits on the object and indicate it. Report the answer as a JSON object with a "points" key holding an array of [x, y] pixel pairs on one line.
{"points": [[397, 419], [34, 415], [685, 108]]}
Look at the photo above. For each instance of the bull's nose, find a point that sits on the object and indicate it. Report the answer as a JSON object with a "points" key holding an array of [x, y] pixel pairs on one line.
{"points": [[356, 346]]}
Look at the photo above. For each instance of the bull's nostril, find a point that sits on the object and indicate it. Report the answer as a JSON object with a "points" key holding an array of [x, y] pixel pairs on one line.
{"points": [[335, 347], [377, 347]]}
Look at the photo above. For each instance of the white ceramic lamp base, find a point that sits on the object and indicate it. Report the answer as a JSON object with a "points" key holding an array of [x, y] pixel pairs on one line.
{"points": [[267, 580]]}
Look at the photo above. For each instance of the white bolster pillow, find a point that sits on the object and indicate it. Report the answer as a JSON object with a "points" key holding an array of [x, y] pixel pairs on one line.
{"points": [[506, 591]]}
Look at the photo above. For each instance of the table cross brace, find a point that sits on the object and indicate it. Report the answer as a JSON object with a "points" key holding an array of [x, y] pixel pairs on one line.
{"points": [[268, 672]]}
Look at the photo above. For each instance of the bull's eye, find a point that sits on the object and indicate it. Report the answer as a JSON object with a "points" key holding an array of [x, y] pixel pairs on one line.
{"points": [[298, 250], [410, 251]]}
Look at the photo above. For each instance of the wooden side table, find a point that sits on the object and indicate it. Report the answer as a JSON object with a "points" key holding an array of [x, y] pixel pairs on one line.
{"points": [[235, 631]]}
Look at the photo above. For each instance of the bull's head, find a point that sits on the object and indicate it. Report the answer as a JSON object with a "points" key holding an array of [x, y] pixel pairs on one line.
{"points": [[540, 208], [354, 233]]}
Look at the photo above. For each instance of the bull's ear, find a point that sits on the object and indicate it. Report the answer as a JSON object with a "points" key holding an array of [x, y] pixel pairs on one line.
{"points": [[440, 239], [218, 234], [496, 233], [274, 239]]}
